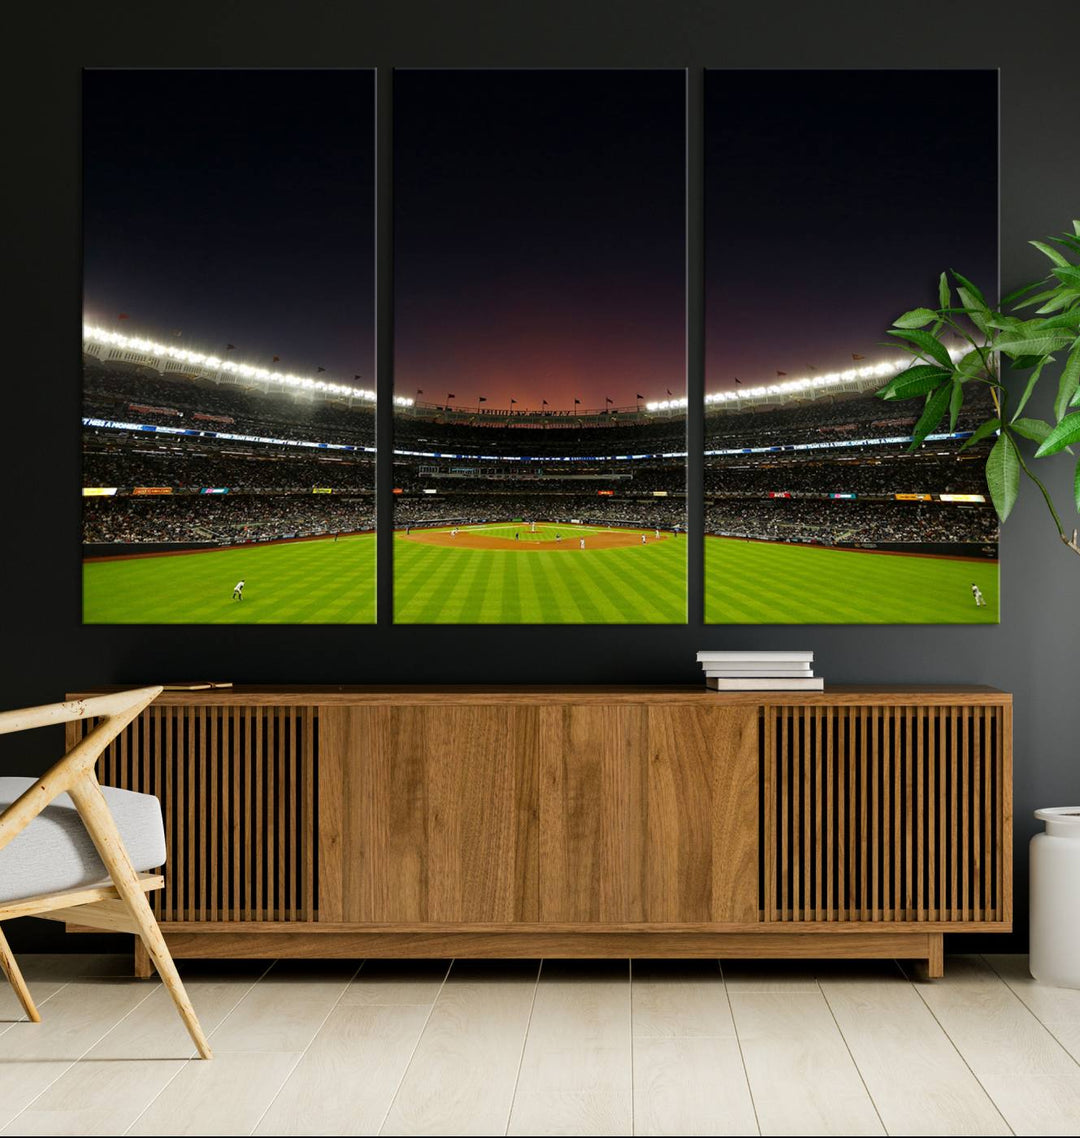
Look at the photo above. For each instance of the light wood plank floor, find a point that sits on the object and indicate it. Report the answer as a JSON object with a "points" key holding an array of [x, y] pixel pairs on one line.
{"points": [[563, 1047]]}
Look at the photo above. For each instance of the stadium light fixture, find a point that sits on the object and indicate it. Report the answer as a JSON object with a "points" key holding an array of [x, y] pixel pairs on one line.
{"points": [[154, 350]]}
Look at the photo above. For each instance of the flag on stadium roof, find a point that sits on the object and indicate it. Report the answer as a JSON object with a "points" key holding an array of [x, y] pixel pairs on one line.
{"points": [[419, 391], [318, 369], [608, 400], [450, 395], [483, 398], [640, 397], [856, 356], [512, 402], [277, 359], [781, 373], [738, 380], [122, 316], [576, 402], [544, 402], [230, 347]]}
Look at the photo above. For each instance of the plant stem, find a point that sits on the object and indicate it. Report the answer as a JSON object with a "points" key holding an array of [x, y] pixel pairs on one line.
{"points": [[1072, 542]]}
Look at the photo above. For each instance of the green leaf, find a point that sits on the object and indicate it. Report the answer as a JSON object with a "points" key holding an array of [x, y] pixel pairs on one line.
{"points": [[970, 366], [1003, 475], [1076, 226], [1034, 429], [1050, 252], [1032, 380], [1023, 290], [916, 318], [1063, 435], [982, 431], [1062, 299], [927, 344], [1068, 385], [956, 401], [1037, 344], [975, 293], [944, 298], [936, 406], [977, 313], [914, 381], [1068, 274]]}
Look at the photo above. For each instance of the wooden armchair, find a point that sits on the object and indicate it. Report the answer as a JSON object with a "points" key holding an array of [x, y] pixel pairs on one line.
{"points": [[55, 873]]}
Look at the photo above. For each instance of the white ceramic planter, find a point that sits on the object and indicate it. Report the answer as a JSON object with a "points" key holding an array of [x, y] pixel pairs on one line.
{"points": [[1055, 898]]}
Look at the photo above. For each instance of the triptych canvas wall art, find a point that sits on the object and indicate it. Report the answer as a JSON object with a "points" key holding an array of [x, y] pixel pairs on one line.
{"points": [[539, 443]]}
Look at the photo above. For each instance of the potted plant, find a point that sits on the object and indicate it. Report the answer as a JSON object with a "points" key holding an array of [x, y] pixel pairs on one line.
{"points": [[961, 343]]}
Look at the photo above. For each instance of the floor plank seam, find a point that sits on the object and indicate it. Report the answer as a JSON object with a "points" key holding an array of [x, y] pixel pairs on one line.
{"points": [[304, 1050], [1038, 1019], [416, 1047], [184, 1066], [851, 1056], [24, 1018], [524, 1041], [963, 1057], [738, 1043], [630, 1026], [78, 1059]]}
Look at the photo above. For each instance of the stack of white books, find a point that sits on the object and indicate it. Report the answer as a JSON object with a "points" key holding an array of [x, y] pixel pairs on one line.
{"points": [[760, 671]]}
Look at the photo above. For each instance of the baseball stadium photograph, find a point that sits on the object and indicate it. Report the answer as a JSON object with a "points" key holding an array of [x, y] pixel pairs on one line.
{"points": [[822, 226], [539, 471], [228, 418]]}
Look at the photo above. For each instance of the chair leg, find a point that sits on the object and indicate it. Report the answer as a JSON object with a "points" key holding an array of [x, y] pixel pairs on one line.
{"points": [[15, 979], [106, 838]]}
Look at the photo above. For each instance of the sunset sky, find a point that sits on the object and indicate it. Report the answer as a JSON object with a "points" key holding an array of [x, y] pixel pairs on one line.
{"points": [[236, 207], [539, 237], [833, 199]]}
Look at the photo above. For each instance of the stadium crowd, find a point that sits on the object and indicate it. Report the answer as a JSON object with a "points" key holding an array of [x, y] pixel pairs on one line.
{"points": [[112, 391], [869, 472], [135, 460], [223, 519], [791, 519]]}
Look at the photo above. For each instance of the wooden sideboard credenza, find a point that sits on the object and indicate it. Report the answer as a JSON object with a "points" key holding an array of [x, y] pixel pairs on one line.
{"points": [[576, 821]]}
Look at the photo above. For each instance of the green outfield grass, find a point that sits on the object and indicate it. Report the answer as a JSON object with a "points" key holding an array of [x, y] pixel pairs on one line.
{"points": [[302, 582], [762, 583], [639, 584]]}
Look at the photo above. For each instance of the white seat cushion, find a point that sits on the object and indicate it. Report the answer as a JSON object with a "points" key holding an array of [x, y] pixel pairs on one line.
{"points": [[55, 852]]}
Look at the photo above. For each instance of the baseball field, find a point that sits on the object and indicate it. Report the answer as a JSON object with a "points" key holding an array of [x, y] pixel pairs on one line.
{"points": [[517, 574], [297, 582], [487, 575], [750, 582]]}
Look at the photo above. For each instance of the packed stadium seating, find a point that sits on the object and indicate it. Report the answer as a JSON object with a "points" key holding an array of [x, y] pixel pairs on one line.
{"points": [[831, 445]]}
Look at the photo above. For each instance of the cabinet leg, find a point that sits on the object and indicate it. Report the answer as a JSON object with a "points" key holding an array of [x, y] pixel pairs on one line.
{"points": [[143, 970], [935, 963]]}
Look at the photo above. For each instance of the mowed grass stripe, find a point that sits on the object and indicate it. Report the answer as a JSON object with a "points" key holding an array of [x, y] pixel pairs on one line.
{"points": [[640, 594], [444, 585], [316, 582], [757, 582]]}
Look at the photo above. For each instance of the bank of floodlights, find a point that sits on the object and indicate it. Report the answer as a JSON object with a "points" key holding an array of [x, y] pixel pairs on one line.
{"points": [[206, 363]]}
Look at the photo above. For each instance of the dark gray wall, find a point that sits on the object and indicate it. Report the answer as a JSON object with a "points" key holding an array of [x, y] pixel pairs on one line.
{"points": [[1033, 653]]}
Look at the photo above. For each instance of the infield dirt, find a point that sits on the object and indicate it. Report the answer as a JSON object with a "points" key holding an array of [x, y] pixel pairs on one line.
{"points": [[467, 539]]}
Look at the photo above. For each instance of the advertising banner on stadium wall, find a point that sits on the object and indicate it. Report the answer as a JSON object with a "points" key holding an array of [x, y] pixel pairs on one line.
{"points": [[539, 276], [215, 402], [802, 192]]}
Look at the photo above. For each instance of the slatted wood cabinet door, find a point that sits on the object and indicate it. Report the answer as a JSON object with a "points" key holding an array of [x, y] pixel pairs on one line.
{"points": [[429, 813]]}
